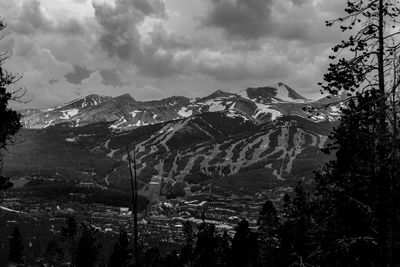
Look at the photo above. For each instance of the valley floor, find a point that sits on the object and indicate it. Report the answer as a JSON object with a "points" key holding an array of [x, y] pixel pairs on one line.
{"points": [[41, 219]]}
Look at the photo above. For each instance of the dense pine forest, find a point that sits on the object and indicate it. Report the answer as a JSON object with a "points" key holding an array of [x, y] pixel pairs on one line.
{"points": [[349, 216]]}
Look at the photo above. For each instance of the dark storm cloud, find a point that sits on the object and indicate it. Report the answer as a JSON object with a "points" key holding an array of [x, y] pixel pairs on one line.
{"points": [[110, 77], [79, 74], [147, 7], [299, 2], [241, 18], [53, 81], [254, 20], [121, 36], [31, 19]]}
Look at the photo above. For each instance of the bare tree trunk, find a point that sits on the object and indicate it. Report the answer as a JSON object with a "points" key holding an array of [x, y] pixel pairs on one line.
{"points": [[133, 199], [382, 183], [394, 180], [135, 211]]}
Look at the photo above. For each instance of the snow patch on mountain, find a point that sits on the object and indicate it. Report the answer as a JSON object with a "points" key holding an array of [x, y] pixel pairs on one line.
{"points": [[215, 105], [184, 112], [263, 109], [234, 114], [133, 113], [335, 109], [71, 140], [118, 123], [283, 93], [67, 114]]}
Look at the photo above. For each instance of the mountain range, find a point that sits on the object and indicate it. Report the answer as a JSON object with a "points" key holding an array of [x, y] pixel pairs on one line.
{"points": [[245, 142]]}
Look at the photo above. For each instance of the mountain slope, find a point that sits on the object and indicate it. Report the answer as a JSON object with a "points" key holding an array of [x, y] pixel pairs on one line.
{"points": [[258, 138], [189, 151], [262, 104]]}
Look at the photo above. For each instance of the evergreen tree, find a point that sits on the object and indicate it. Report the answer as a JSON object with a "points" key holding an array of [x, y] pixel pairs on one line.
{"points": [[223, 249], [121, 255], [268, 224], [16, 249], [88, 249], [206, 246], [54, 254], [172, 260], [69, 233], [70, 229], [244, 246], [152, 258], [373, 69], [296, 232], [347, 197], [186, 256], [10, 119]]}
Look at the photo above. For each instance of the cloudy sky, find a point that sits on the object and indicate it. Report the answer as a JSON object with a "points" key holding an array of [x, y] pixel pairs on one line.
{"points": [[157, 48]]}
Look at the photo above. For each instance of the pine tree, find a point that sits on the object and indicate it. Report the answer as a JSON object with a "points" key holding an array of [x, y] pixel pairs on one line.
{"points": [[186, 256], [244, 246], [152, 257], [347, 196], [121, 255], [69, 233], [296, 230], [54, 254], [223, 249], [268, 224], [206, 246], [16, 249], [172, 260], [10, 119], [373, 68], [88, 249]]}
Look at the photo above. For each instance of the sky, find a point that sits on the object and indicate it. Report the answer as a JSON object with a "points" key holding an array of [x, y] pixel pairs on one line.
{"points": [[151, 49]]}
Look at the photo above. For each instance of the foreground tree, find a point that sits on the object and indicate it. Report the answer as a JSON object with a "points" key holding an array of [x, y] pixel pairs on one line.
{"points": [[53, 254], [347, 196], [88, 249], [244, 246], [268, 224], [121, 254], [189, 233], [16, 249], [369, 67], [10, 119], [204, 252], [296, 231], [69, 233]]}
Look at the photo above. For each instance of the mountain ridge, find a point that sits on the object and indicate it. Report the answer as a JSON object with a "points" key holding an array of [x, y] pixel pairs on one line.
{"points": [[261, 134], [259, 103]]}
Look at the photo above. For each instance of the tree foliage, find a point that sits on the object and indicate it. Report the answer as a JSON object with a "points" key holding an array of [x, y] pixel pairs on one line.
{"points": [[16, 247], [268, 224], [54, 253], [10, 119], [88, 248], [360, 187], [362, 61], [121, 254], [347, 198]]}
